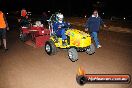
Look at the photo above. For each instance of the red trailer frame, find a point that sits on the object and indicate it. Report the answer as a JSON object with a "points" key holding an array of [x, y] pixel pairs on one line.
{"points": [[37, 36]]}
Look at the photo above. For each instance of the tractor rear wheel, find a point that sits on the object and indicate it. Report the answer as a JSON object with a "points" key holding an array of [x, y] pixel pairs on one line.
{"points": [[91, 49]]}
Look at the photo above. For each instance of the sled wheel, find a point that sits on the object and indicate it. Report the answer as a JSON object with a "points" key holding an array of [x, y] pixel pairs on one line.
{"points": [[23, 37]]}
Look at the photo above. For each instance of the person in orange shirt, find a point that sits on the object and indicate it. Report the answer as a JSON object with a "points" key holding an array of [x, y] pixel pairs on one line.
{"points": [[3, 28]]}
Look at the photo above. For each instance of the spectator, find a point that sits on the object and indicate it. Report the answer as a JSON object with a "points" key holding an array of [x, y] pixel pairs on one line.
{"points": [[3, 28], [23, 12], [44, 18], [24, 22], [92, 25]]}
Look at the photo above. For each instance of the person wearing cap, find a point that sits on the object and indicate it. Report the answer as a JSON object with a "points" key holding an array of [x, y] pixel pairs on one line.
{"points": [[59, 28], [23, 12], [92, 25], [3, 28]]}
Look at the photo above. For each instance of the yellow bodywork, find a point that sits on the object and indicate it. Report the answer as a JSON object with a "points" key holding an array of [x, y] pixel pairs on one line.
{"points": [[77, 39]]}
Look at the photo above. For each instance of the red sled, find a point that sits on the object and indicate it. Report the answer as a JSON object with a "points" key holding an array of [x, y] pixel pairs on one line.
{"points": [[35, 36]]}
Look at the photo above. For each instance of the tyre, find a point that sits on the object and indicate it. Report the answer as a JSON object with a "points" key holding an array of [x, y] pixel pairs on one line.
{"points": [[23, 37], [73, 55], [81, 80], [50, 48], [91, 49]]}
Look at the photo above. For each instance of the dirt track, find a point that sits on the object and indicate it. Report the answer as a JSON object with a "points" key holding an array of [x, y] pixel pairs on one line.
{"points": [[26, 67]]}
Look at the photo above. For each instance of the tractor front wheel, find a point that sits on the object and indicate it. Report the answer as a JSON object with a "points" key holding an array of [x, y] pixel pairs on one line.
{"points": [[73, 55], [50, 48]]}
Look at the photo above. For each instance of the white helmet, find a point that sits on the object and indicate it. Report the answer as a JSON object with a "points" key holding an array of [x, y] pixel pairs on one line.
{"points": [[60, 15]]}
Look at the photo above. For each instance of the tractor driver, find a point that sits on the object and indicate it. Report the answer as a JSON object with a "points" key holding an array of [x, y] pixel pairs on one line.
{"points": [[60, 27]]}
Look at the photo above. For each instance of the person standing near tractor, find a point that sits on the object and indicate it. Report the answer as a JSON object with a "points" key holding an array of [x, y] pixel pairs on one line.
{"points": [[23, 12], [92, 25], [44, 18], [3, 28]]}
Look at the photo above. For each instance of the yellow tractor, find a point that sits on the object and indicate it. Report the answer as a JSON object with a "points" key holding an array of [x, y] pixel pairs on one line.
{"points": [[76, 41]]}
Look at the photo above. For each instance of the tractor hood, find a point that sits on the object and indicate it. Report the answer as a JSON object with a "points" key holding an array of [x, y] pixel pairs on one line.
{"points": [[78, 38], [76, 33]]}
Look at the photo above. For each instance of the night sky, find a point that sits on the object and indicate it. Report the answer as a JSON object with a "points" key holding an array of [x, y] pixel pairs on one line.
{"points": [[110, 7]]}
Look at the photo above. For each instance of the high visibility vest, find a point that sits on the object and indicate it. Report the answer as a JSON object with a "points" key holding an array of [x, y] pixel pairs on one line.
{"points": [[23, 13], [2, 21]]}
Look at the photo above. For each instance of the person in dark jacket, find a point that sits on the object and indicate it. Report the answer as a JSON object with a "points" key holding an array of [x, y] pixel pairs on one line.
{"points": [[24, 22], [44, 18], [92, 25]]}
